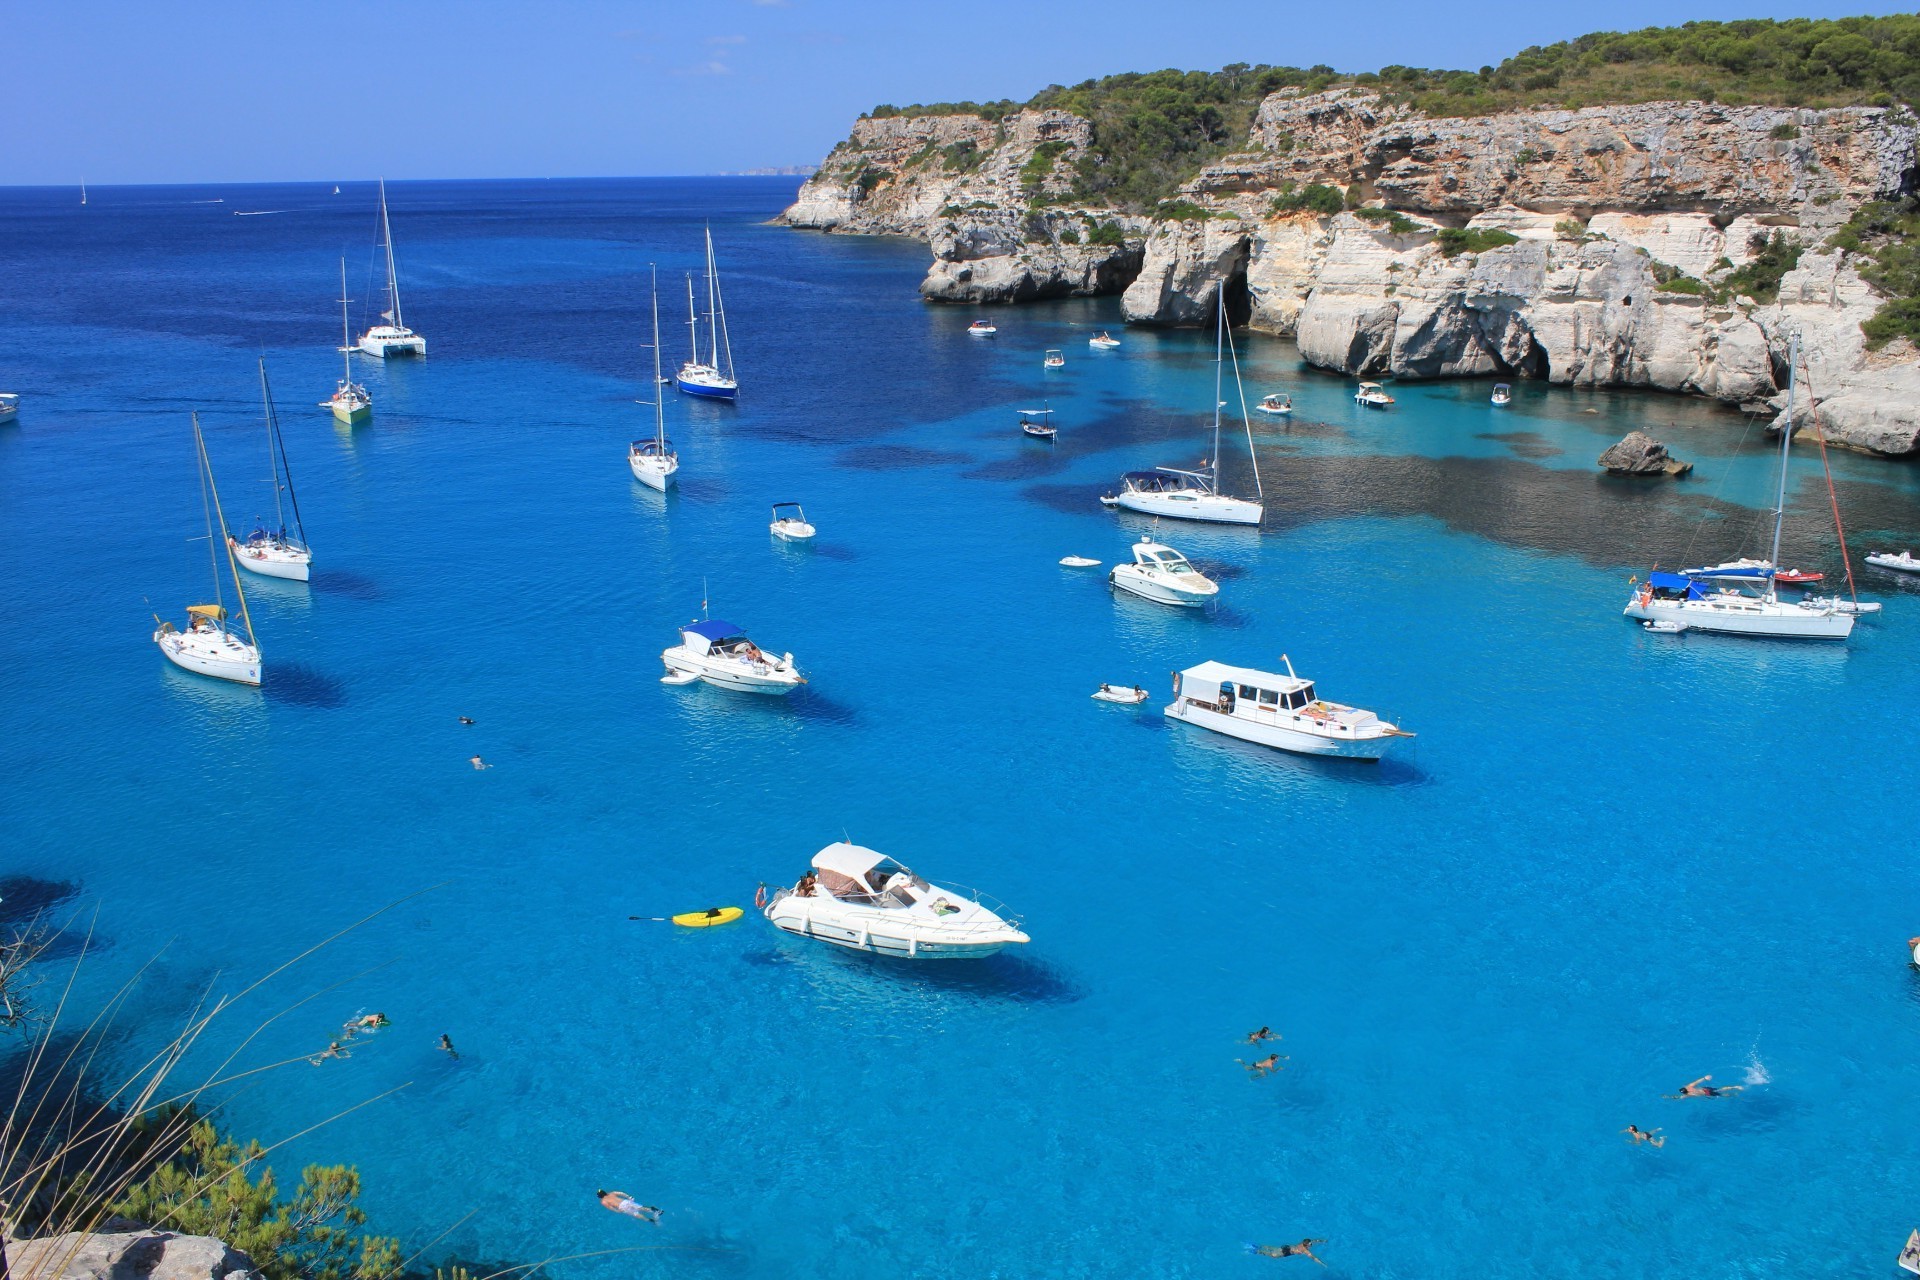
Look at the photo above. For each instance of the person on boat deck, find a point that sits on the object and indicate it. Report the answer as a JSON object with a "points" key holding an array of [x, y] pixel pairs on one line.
{"points": [[1302, 1250], [621, 1202], [1701, 1089], [804, 889]]}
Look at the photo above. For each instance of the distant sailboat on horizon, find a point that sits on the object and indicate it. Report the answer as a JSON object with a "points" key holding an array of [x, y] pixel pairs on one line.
{"points": [[83, 192], [711, 378]]}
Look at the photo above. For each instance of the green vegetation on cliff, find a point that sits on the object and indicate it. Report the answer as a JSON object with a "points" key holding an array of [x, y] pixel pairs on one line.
{"points": [[1887, 234]]}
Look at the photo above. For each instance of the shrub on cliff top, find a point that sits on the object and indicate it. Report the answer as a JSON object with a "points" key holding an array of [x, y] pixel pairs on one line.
{"points": [[1886, 234], [1398, 223], [1760, 277], [1040, 164], [1107, 233], [1454, 241], [1315, 197], [1184, 211]]}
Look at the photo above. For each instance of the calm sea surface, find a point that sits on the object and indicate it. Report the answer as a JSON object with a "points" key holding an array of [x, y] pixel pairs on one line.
{"points": [[1609, 863]]}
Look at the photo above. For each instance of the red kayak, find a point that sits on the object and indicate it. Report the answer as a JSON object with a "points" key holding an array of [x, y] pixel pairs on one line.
{"points": [[1797, 578]]}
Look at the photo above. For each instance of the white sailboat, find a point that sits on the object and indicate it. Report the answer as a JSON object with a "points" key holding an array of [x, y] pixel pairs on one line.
{"points": [[1711, 599], [392, 338], [711, 378], [350, 402], [274, 552], [83, 192], [208, 645], [1195, 495], [653, 461]]}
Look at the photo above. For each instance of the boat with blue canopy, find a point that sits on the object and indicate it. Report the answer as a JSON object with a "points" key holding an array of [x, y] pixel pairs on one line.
{"points": [[720, 653]]}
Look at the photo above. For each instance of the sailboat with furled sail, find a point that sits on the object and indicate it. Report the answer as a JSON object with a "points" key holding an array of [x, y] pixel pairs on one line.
{"points": [[711, 378], [209, 645], [276, 552], [350, 402], [653, 461], [392, 338]]}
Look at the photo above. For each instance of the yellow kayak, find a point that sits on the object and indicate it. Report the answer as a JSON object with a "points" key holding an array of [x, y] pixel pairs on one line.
{"points": [[704, 919]]}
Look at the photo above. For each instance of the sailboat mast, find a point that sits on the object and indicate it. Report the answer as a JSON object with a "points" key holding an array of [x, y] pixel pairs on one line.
{"points": [[278, 445], [693, 320], [719, 310], [1786, 446], [346, 334], [220, 516], [659, 400], [273, 458], [393, 277], [713, 324], [202, 469], [1219, 340]]}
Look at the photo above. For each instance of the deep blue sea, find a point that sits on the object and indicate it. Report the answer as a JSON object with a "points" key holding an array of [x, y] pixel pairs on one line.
{"points": [[1609, 863]]}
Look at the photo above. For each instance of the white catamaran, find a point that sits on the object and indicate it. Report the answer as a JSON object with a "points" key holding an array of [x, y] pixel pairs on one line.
{"points": [[392, 338], [713, 377], [208, 645], [1195, 495], [274, 552], [653, 461]]}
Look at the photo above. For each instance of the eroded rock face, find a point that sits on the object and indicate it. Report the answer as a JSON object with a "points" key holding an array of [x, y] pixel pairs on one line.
{"points": [[1639, 454], [128, 1255]]}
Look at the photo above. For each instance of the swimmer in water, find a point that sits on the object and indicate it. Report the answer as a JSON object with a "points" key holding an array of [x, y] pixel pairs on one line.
{"points": [[1265, 1066], [1637, 1136], [478, 763], [1302, 1250], [1701, 1089], [621, 1202], [446, 1046], [1264, 1033], [333, 1050]]}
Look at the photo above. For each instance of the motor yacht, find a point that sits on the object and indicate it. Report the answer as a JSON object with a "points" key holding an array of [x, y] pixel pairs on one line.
{"points": [[1281, 711], [1161, 574], [790, 523], [1278, 403], [720, 654], [1371, 395], [860, 899], [983, 329]]}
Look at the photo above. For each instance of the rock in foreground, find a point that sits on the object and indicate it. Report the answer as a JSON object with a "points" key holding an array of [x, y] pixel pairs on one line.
{"points": [[1640, 454], [127, 1255]]}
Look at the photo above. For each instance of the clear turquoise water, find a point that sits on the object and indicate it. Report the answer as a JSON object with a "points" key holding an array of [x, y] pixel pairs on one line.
{"points": [[1610, 862]]}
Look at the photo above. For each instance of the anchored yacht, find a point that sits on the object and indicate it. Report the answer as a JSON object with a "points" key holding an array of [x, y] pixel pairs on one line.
{"points": [[711, 378], [654, 462], [790, 523], [207, 645], [1275, 710], [1371, 395], [860, 899], [1161, 574], [720, 654], [392, 338]]}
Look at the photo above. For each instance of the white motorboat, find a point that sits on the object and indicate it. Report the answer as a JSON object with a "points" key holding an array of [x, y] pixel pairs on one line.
{"points": [[790, 523], [1103, 341], [9, 406], [1124, 695], [350, 402], [274, 552], [1161, 574], [1278, 403], [1038, 423], [1900, 561], [1371, 395], [1195, 495], [654, 462], [1740, 596], [1078, 562], [208, 645], [860, 899], [1502, 395], [720, 654], [1281, 711], [982, 329], [1053, 359], [392, 338], [711, 378]]}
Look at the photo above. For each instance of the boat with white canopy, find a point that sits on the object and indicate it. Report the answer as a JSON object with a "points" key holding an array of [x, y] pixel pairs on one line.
{"points": [[392, 338], [861, 899], [1103, 341], [654, 462], [209, 645], [1053, 359], [1371, 395], [1195, 495], [350, 402], [1161, 574], [275, 552], [982, 329], [1280, 404], [711, 378], [1502, 395], [1281, 711], [1740, 597], [790, 523], [720, 654], [1038, 423]]}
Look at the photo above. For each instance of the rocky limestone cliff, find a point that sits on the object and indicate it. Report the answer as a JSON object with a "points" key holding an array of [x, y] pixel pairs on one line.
{"points": [[134, 1254], [1626, 219]]}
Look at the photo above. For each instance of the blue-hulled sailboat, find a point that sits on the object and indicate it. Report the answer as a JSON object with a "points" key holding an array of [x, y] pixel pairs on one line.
{"points": [[713, 377]]}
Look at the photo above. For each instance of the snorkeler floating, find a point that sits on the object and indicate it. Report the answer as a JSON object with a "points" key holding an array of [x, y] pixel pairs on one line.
{"points": [[1266, 1065], [621, 1202], [1701, 1089], [446, 1046], [1264, 1033], [1637, 1135], [1302, 1250]]}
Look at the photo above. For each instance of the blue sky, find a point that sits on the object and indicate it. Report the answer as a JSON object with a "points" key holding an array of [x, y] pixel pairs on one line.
{"points": [[214, 91]]}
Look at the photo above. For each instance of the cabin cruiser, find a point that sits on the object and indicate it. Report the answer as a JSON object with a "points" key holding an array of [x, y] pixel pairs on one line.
{"points": [[983, 329], [790, 523], [860, 899], [720, 653], [273, 555], [1277, 403], [1277, 710], [1103, 341], [1701, 605], [1502, 395], [1371, 395], [1161, 574], [1181, 495]]}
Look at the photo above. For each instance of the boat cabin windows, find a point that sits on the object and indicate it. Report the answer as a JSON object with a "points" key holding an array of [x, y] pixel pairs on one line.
{"points": [[1271, 699]]}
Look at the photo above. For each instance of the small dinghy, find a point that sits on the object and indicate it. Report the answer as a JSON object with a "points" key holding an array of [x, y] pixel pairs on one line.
{"points": [[1054, 359], [1838, 605], [1078, 562], [790, 523], [982, 329], [1502, 395], [1665, 626], [1904, 561], [1797, 578], [1277, 403], [1126, 697], [1038, 423], [1103, 341]]}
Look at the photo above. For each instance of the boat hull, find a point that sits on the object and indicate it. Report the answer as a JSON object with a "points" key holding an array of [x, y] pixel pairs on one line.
{"points": [[727, 675], [653, 476], [854, 936], [350, 413], [384, 346], [791, 530], [236, 662], [714, 390], [290, 566], [1127, 578], [1780, 622], [1280, 736], [1203, 508]]}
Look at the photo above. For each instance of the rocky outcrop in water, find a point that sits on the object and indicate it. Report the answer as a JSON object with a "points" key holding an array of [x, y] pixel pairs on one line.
{"points": [[137, 1254], [1639, 454], [1602, 247]]}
